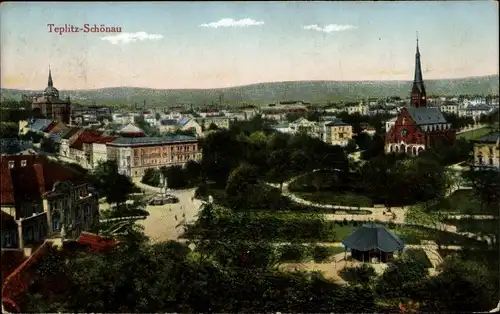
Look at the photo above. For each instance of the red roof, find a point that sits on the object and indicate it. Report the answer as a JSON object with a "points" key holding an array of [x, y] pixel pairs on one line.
{"points": [[87, 137], [49, 127], [96, 242], [31, 180], [106, 139], [11, 259], [20, 279]]}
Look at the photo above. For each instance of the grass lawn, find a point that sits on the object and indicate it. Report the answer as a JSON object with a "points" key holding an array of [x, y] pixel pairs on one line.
{"points": [[419, 255], [343, 199], [461, 202], [414, 235], [475, 134], [475, 225], [486, 257]]}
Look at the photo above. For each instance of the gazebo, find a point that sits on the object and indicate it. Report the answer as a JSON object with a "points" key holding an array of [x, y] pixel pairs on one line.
{"points": [[373, 241]]}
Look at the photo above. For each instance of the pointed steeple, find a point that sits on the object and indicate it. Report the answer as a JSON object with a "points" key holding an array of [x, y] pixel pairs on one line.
{"points": [[418, 68], [418, 95], [50, 83]]}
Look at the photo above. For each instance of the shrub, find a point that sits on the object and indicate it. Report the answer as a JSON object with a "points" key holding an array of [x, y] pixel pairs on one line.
{"points": [[320, 253], [293, 253], [358, 275]]}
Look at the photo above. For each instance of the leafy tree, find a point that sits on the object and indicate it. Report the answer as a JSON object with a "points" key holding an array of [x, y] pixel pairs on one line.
{"points": [[193, 171], [486, 186], [114, 186], [400, 273], [222, 152], [320, 253], [152, 177], [293, 253], [461, 286], [213, 127], [49, 146], [176, 177], [279, 166], [361, 275], [8, 130], [240, 185]]}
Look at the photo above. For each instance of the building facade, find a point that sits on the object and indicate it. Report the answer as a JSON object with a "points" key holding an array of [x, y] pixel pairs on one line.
{"points": [[338, 133], [487, 152], [50, 105], [135, 155], [417, 128], [42, 199]]}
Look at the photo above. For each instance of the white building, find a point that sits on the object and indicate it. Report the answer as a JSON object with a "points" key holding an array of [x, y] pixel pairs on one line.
{"points": [[123, 118]]}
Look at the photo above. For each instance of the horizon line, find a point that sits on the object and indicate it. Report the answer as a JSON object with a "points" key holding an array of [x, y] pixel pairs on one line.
{"points": [[258, 83]]}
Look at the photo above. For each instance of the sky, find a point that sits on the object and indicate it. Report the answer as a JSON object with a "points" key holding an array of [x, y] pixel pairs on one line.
{"points": [[178, 45]]}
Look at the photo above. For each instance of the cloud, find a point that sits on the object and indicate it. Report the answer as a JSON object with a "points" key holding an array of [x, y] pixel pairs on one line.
{"points": [[330, 28], [125, 38], [227, 22]]}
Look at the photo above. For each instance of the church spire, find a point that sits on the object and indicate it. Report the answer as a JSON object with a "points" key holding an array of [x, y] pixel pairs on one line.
{"points": [[418, 96], [50, 83], [418, 68]]}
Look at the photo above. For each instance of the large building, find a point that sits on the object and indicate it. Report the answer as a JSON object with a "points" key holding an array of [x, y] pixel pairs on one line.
{"points": [[417, 127], [50, 106], [487, 152], [136, 154], [42, 199]]}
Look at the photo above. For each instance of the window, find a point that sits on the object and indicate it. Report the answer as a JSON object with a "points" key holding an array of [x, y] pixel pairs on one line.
{"points": [[490, 161], [7, 237], [56, 222], [86, 212], [11, 164], [23, 163]]}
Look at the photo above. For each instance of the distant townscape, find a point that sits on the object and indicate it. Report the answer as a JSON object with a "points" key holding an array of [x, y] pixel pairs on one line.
{"points": [[130, 200]]}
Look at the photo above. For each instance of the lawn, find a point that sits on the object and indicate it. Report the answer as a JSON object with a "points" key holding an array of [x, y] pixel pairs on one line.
{"points": [[461, 202], [331, 198], [486, 257], [475, 134], [420, 256], [475, 225]]}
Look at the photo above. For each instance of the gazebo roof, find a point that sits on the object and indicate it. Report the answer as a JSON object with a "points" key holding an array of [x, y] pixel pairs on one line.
{"points": [[373, 236]]}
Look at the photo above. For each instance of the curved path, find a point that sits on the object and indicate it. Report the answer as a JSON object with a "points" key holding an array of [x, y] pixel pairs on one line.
{"points": [[396, 215]]}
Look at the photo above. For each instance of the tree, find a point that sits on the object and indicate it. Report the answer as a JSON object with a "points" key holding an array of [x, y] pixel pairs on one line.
{"points": [[8, 130], [176, 177], [241, 184], [114, 186], [152, 177], [193, 171], [279, 166], [213, 127], [461, 286], [48, 145], [486, 186]]}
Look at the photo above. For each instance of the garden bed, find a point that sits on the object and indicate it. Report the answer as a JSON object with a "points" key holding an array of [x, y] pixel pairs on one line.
{"points": [[276, 228], [460, 202], [332, 198], [420, 256], [475, 225]]}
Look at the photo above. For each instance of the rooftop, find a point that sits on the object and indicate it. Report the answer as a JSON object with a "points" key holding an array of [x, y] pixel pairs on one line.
{"points": [[142, 141], [423, 116]]}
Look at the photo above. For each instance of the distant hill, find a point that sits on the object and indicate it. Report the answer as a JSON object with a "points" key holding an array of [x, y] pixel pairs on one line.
{"points": [[262, 93]]}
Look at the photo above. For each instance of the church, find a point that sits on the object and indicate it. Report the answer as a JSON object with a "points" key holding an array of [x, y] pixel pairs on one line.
{"points": [[418, 127], [49, 105]]}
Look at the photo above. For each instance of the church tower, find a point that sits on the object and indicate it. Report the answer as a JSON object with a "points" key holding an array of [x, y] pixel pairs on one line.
{"points": [[418, 95]]}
